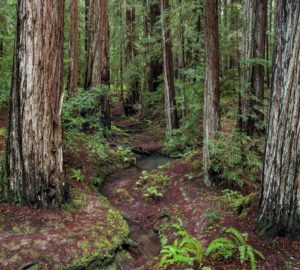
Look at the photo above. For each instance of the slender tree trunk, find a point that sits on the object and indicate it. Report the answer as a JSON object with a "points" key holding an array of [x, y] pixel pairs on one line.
{"points": [[211, 117], [121, 52], [97, 71], [169, 76], [257, 72], [279, 213], [73, 48], [86, 21], [134, 84], [34, 146], [155, 67], [255, 25]]}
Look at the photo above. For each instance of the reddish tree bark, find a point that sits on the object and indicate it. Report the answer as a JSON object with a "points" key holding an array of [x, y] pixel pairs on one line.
{"points": [[279, 213], [130, 52], [73, 48], [169, 76], [155, 67], [97, 71], [34, 146], [211, 117], [254, 45]]}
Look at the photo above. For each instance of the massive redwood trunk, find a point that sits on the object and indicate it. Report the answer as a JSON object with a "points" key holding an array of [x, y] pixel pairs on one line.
{"points": [[169, 76], [97, 71], [211, 116], [279, 213], [73, 48], [34, 146]]}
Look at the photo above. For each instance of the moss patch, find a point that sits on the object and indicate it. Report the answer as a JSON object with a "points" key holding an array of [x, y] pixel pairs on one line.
{"points": [[86, 238]]}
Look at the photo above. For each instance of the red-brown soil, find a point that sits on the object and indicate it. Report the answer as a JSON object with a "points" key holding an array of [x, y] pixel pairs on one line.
{"points": [[190, 200]]}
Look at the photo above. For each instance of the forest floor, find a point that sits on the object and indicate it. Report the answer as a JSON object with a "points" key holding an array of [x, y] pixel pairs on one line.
{"points": [[203, 211], [87, 233], [52, 239]]}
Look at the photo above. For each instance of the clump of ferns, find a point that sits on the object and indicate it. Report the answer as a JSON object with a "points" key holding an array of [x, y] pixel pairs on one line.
{"points": [[232, 245]]}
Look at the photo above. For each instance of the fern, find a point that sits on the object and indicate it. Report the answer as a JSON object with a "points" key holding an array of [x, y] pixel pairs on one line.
{"points": [[237, 236], [234, 245], [185, 250]]}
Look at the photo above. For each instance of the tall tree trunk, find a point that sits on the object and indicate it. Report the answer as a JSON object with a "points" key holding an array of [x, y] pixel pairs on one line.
{"points": [[97, 71], [73, 48], [86, 24], [169, 76], [133, 82], [34, 146], [211, 117], [254, 40], [257, 72], [279, 213], [156, 66]]}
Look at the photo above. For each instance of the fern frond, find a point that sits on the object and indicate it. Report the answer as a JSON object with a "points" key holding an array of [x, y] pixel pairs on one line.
{"points": [[251, 258], [239, 237]]}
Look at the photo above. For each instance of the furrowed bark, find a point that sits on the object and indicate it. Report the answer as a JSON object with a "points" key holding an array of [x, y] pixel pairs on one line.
{"points": [[97, 71], [279, 212], [254, 45], [34, 145], [73, 48], [211, 117]]}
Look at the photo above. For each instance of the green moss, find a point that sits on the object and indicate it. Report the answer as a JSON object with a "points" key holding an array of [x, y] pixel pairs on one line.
{"points": [[107, 236]]}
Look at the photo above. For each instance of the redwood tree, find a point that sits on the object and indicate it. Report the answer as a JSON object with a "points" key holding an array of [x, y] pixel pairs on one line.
{"points": [[130, 53], [253, 52], [279, 212], [211, 117], [155, 65], [97, 70], [73, 48], [168, 66], [34, 146]]}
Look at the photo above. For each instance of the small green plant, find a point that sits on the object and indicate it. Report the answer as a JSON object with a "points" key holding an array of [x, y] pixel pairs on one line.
{"points": [[234, 245], [76, 174], [232, 197], [124, 155], [152, 185], [185, 250], [213, 215]]}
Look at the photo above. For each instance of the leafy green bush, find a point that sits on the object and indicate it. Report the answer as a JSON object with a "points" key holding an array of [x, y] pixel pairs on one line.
{"points": [[233, 245], [152, 185], [82, 111], [234, 158]]}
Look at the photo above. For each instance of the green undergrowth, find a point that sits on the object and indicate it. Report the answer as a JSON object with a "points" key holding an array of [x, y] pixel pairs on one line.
{"points": [[152, 185], [185, 250], [236, 158]]}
